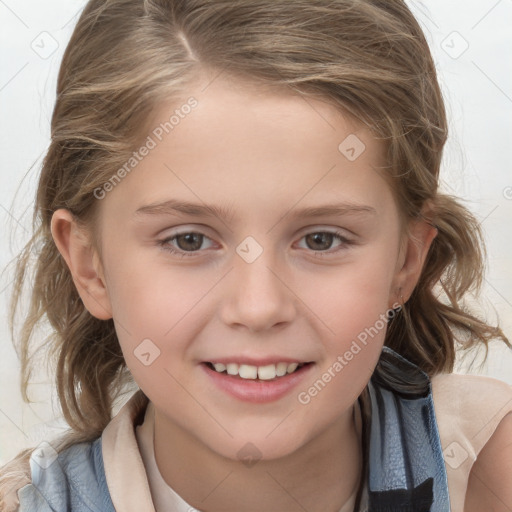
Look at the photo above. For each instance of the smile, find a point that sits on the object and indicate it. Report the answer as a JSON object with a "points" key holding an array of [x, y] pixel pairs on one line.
{"points": [[262, 383], [247, 371]]}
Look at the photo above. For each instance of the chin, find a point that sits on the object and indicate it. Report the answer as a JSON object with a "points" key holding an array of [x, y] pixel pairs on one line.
{"points": [[250, 449]]}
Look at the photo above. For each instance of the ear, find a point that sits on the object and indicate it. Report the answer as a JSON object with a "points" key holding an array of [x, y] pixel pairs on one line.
{"points": [[83, 262], [413, 254]]}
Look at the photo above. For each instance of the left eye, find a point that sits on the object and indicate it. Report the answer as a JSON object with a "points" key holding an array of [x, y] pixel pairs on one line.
{"points": [[324, 238], [189, 243]]}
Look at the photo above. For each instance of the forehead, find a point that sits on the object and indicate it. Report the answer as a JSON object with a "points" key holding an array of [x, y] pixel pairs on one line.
{"points": [[261, 110], [253, 148]]}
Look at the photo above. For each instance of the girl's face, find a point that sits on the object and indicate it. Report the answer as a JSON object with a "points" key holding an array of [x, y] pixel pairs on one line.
{"points": [[254, 230]]}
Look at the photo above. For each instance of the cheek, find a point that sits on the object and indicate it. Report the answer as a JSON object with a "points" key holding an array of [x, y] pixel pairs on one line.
{"points": [[157, 311], [352, 307], [353, 296], [153, 297], [352, 303]]}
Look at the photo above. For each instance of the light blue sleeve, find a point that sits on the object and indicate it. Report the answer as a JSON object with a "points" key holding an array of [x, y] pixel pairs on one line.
{"points": [[71, 481]]}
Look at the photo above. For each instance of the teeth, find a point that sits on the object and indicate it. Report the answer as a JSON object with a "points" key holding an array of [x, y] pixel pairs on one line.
{"points": [[267, 372], [292, 367], [247, 371], [232, 369], [281, 369]]}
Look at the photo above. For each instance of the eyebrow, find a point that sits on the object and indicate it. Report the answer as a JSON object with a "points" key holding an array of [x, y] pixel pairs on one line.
{"points": [[174, 207]]}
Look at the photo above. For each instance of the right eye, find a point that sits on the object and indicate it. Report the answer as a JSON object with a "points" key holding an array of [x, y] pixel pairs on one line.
{"points": [[190, 242]]}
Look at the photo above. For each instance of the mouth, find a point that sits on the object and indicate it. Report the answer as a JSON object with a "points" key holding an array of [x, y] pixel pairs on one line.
{"points": [[268, 372], [263, 381]]}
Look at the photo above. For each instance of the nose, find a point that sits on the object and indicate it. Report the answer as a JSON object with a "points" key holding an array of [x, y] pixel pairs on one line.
{"points": [[258, 297]]}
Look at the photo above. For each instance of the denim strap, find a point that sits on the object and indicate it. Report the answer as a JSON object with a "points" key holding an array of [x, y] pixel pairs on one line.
{"points": [[407, 472]]}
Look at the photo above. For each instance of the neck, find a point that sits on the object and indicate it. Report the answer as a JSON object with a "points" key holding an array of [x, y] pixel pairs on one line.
{"points": [[321, 476]]}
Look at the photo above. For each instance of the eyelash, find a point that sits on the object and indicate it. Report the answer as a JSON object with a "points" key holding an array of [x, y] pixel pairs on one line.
{"points": [[164, 244]]}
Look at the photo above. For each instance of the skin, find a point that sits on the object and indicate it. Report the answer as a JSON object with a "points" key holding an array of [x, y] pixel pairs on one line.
{"points": [[489, 485], [264, 154]]}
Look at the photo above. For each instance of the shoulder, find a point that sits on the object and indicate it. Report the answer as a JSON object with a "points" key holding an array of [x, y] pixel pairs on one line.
{"points": [[460, 384], [490, 480], [471, 405], [474, 415]]}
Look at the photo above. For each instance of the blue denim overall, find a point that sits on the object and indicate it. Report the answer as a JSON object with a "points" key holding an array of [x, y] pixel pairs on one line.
{"points": [[406, 470]]}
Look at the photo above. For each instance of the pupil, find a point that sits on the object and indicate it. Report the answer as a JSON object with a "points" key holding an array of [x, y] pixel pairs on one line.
{"points": [[318, 237], [189, 238]]}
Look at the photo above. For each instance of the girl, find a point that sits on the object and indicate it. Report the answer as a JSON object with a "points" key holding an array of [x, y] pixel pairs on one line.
{"points": [[239, 212]]}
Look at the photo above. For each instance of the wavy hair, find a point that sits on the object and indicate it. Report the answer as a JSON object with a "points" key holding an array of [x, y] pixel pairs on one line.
{"points": [[369, 58]]}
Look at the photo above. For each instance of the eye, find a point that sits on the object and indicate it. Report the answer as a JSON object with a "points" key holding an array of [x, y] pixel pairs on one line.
{"points": [[320, 241], [188, 243]]}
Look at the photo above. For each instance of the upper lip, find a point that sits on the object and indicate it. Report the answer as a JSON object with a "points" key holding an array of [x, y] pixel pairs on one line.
{"points": [[264, 361]]}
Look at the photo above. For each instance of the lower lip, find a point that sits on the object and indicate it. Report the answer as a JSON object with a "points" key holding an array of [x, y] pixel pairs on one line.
{"points": [[255, 390]]}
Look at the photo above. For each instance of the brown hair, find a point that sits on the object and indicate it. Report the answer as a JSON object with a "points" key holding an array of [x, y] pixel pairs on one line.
{"points": [[369, 58]]}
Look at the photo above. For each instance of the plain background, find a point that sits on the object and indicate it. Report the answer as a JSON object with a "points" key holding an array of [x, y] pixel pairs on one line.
{"points": [[471, 42]]}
